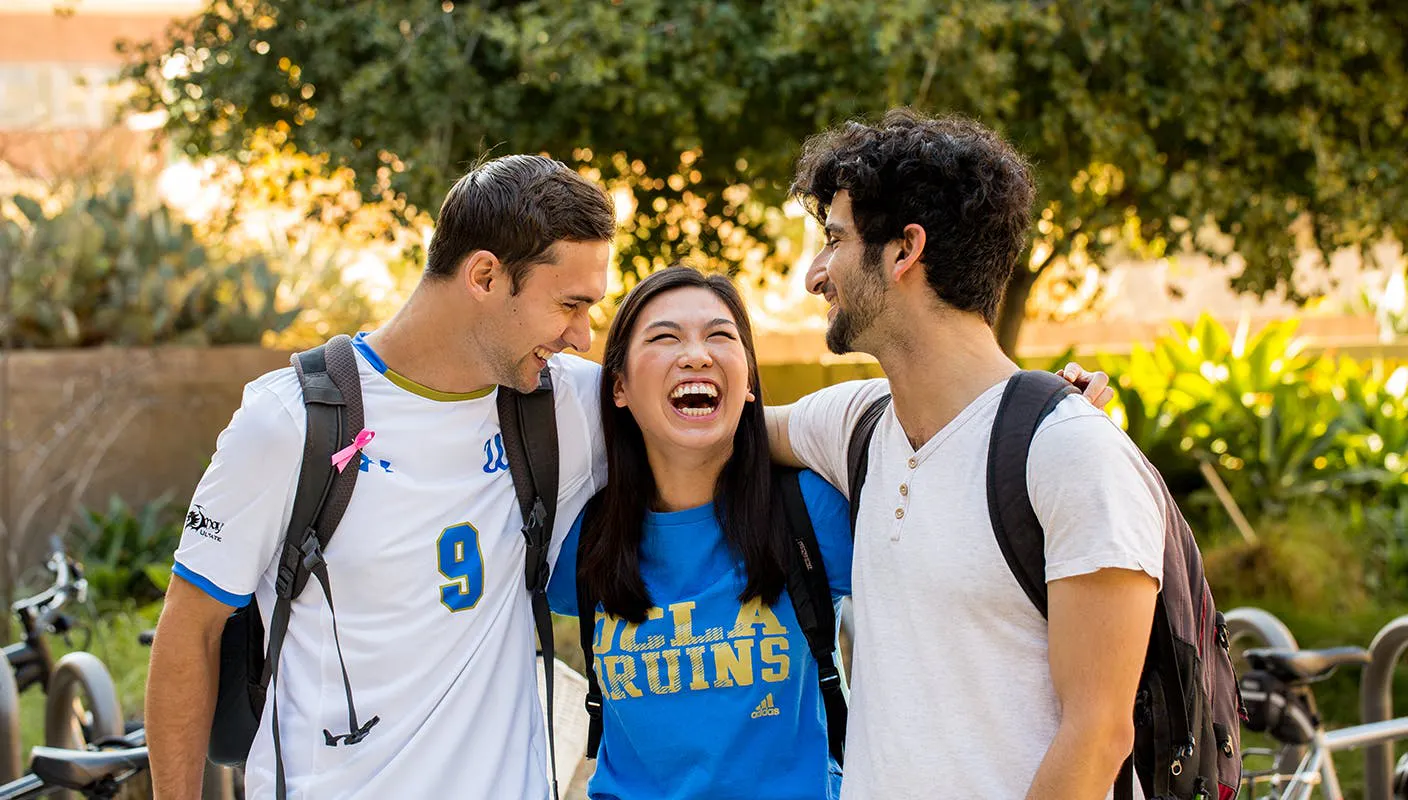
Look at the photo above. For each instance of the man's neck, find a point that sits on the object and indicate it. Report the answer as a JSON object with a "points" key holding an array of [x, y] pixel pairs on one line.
{"points": [[936, 369], [684, 478], [428, 341]]}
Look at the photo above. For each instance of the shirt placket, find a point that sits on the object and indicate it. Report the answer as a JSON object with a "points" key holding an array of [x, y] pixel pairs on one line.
{"points": [[901, 498]]}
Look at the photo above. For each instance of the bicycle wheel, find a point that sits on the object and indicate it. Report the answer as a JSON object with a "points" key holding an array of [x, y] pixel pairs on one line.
{"points": [[82, 705], [11, 751]]}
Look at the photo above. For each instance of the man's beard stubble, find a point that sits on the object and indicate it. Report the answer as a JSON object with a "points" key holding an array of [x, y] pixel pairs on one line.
{"points": [[864, 300]]}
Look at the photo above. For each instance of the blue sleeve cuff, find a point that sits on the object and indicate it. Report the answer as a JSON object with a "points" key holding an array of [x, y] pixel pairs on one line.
{"points": [[206, 585]]}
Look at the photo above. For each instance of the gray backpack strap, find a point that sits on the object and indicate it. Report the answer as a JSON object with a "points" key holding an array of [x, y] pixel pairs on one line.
{"points": [[528, 423], [858, 451], [332, 397], [1027, 400]]}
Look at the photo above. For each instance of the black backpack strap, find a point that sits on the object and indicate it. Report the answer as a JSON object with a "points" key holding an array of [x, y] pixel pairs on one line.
{"points": [[810, 592], [332, 399], [528, 423], [1028, 398], [858, 451], [586, 628], [1124, 782]]}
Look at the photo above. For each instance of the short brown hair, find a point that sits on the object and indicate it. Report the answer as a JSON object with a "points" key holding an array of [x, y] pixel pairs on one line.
{"points": [[516, 207]]}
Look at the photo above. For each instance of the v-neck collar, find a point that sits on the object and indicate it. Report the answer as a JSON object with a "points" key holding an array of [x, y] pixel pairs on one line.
{"points": [[991, 395]]}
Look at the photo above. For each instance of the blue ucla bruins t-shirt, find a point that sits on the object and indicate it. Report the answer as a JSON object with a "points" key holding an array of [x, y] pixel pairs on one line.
{"points": [[710, 697]]}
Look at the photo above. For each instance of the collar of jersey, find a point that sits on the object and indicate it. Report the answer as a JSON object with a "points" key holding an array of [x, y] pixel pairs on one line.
{"points": [[687, 516], [360, 343]]}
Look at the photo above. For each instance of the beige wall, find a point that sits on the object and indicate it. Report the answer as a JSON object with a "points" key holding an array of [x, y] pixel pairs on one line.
{"points": [[84, 425], [87, 424]]}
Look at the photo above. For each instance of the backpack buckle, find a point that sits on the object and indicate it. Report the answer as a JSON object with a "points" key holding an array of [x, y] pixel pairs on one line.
{"points": [[593, 704], [312, 554], [828, 675], [537, 521], [536, 571], [289, 563]]}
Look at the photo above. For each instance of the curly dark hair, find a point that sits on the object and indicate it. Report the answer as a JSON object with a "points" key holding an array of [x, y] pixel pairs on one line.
{"points": [[970, 191]]}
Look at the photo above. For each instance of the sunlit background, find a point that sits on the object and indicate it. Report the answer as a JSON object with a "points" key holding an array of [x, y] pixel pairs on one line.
{"points": [[148, 284]]}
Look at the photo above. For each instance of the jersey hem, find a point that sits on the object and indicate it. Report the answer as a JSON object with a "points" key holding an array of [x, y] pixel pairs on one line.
{"points": [[208, 586]]}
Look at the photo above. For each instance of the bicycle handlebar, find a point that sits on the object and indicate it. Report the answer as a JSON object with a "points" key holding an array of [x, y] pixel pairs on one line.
{"points": [[68, 583]]}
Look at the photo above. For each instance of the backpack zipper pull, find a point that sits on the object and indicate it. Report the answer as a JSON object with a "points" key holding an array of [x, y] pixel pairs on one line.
{"points": [[1186, 751]]}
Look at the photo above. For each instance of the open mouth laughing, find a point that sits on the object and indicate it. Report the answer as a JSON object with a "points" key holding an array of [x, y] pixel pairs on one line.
{"points": [[695, 399], [542, 354]]}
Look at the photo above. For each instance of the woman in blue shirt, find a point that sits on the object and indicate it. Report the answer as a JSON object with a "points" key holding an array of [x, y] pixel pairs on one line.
{"points": [[708, 686]]}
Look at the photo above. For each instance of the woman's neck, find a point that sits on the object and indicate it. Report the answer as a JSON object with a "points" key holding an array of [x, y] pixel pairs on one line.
{"points": [[685, 478]]}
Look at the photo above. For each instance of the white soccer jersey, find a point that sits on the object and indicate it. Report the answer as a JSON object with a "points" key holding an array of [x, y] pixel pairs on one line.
{"points": [[426, 572]]}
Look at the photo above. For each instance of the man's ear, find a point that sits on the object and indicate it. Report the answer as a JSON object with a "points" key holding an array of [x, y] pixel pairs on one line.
{"points": [[910, 252], [482, 273]]}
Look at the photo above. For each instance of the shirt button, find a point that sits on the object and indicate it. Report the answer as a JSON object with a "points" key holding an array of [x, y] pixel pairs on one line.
{"points": [[913, 463], [904, 488], [899, 513]]}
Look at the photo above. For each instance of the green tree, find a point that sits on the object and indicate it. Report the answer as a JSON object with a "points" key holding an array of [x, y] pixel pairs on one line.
{"points": [[1279, 123]]}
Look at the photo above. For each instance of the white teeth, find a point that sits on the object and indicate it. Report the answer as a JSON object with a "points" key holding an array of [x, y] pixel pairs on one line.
{"points": [[706, 389], [696, 412]]}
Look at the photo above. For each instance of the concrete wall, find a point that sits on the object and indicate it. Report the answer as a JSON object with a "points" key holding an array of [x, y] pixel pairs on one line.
{"points": [[84, 425]]}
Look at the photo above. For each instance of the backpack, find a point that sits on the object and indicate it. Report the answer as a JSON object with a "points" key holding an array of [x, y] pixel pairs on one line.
{"points": [[807, 587], [1187, 710], [332, 398]]}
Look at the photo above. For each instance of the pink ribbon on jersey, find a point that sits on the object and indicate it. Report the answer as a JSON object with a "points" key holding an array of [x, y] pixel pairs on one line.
{"points": [[343, 457]]}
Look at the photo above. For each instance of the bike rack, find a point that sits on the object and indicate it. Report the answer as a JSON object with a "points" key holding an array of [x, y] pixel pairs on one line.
{"points": [[1267, 629], [1376, 704], [1261, 625]]}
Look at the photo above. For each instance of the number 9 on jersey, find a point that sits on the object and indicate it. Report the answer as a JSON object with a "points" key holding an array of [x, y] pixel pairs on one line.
{"points": [[463, 564]]}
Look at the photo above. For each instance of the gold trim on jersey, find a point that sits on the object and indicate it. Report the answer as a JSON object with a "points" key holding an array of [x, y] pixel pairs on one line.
{"points": [[433, 394]]}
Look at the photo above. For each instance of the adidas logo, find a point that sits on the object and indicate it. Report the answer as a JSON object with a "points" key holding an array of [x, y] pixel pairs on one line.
{"points": [[767, 708]]}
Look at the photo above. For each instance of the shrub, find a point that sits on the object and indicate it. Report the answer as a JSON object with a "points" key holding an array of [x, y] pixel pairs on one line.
{"points": [[107, 268], [127, 552]]}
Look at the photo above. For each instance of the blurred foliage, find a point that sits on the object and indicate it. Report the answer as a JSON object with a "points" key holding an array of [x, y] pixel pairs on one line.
{"points": [[1283, 430], [127, 552], [109, 269], [276, 249], [344, 262], [1154, 126]]}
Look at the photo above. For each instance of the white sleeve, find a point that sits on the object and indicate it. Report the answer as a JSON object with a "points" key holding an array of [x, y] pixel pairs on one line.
{"points": [[581, 446], [819, 426], [243, 502], [1098, 500]]}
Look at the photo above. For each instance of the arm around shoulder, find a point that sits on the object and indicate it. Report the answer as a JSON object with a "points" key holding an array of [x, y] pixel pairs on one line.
{"points": [[815, 431]]}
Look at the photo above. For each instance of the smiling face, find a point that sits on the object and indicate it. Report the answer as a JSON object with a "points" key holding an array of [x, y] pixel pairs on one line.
{"points": [[686, 377], [849, 277], [548, 313]]}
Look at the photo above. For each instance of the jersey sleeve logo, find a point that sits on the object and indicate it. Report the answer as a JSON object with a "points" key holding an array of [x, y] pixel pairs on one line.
{"points": [[201, 523]]}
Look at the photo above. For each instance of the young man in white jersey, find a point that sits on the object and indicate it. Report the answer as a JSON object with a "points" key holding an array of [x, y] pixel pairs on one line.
{"points": [[427, 566], [960, 687]]}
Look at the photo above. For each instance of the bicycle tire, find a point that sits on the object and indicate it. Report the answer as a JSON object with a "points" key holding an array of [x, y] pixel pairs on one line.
{"points": [[11, 749], [81, 675]]}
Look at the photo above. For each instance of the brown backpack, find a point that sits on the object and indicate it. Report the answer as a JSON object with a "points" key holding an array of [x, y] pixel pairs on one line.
{"points": [[1187, 711]]}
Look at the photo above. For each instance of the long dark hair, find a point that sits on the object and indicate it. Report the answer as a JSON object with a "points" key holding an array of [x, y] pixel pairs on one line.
{"points": [[743, 501]]}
